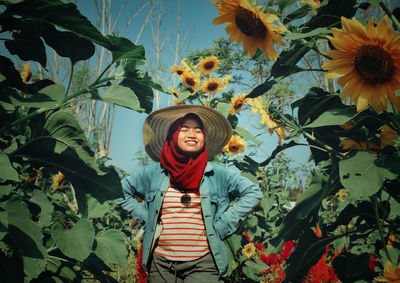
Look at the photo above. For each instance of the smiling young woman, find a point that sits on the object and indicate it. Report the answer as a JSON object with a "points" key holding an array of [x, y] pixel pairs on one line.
{"points": [[186, 211]]}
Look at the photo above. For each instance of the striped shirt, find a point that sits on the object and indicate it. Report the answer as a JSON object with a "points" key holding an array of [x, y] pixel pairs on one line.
{"points": [[183, 237]]}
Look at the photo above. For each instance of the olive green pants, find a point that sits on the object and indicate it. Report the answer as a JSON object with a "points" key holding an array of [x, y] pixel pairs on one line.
{"points": [[195, 271]]}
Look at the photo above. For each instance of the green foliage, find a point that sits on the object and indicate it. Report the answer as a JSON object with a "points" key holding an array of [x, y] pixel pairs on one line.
{"points": [[57, 218]]}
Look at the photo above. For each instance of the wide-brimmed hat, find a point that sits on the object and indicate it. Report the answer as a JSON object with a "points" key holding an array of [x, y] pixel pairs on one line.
{"points": [[155, 129]]}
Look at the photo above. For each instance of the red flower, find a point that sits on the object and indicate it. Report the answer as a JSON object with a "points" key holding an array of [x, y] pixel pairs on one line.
{"points": [[142, 274], [317, 231], [247, 236], [321, 272], [372, 263], [260, 247]]}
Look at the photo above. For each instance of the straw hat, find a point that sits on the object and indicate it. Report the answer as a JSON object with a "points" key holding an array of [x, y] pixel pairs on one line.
{"points": [[156, 126]]}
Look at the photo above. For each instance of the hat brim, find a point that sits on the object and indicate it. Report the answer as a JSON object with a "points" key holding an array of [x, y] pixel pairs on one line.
{"points": [[155, 129]]}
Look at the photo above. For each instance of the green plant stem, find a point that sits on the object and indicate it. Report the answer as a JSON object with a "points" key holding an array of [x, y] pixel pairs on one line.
{"points": [[57, 258], [314, 139], [102, 73], [71, 76], [375, 206], [390, 14], [66, 101]]}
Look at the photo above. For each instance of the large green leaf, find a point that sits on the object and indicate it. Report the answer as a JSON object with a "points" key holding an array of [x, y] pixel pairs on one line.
{"points": [[125, 49], [7, 170], [261, 89], [27, 46], [60, 144], [64, 15], [96, 209], [27, 238], [122, 96], [331, 117], [77, 242], [287, 60], [3, 223], [67, 44], [111, 248], [246, 135], [48, 97], [142, 89], [360, 175], [46, 208]]}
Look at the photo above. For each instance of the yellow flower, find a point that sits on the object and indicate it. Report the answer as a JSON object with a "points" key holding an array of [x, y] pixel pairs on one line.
{"points": [[392, 239], [208, 64], [266, 119], [179, 70], [57, 180], [26, 73], [174, 92], [177, 102], [211, 85], [225, 82], [249, 250], [313, 3], [367, 63], [341, 194], [237, 103], [250, 25], [390, 274], [191, 80], [235, 145], [388, 135]]}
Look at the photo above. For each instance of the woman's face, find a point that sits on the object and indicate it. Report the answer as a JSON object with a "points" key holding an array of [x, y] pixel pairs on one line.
{"points": [[190, 138]]}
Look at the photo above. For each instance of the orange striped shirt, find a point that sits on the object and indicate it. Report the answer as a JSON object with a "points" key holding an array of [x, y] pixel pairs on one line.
{"points": [[183, 237]]}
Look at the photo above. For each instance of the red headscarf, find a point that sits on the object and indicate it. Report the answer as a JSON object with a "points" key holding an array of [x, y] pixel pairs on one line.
{"points": [[186, 171]]}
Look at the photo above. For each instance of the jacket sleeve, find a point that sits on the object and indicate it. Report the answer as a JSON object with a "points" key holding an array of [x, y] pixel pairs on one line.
{"points": [[132, 186], [249, 195]]}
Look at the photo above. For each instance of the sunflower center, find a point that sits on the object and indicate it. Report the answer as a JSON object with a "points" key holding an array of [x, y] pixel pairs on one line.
{"points": [[249, 23], [233, 148], [212, 86], [209, 65], [238, 105], [179, 72], [190, 81], [373, 64]]}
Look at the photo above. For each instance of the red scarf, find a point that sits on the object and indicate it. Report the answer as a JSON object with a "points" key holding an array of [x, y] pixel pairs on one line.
{"points": [[186, 171]]}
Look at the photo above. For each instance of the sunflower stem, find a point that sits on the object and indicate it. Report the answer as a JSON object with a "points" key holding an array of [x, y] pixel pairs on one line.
{"points": [[390, 14], [375, 206]]}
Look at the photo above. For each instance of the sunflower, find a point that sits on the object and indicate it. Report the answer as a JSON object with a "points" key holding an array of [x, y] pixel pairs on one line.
{"points": [[249, 250], [388, 135], [174, 92], [208, 64], [250, 25], [235, 145], [367, 63], [191, 80], [212, 85], [313, 3], [237, 103], [390, 274], [26, 73], [179, 70], [266, 119], [57, 180]]}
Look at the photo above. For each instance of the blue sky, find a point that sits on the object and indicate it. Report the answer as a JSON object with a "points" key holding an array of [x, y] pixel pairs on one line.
{"points": [[196, 24]]}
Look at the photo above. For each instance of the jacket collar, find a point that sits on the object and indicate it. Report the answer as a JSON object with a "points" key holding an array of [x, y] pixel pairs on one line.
{"points": [[209, 168]]}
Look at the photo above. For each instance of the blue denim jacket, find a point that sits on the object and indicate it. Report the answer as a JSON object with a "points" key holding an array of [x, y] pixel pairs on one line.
{"points": [[219, 184]]}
